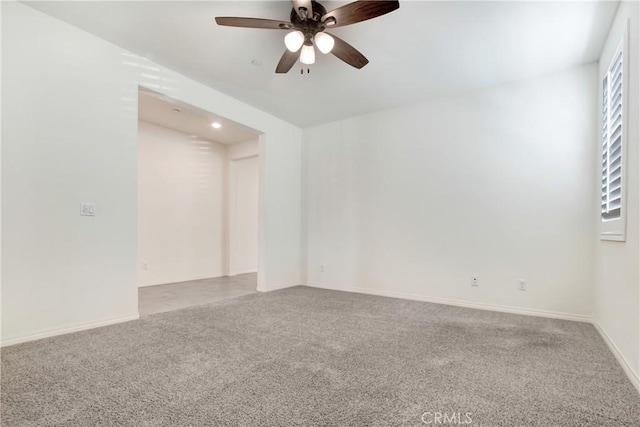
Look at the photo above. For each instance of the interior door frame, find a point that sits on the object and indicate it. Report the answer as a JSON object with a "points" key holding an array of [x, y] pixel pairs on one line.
{"points": [[231, 267]]}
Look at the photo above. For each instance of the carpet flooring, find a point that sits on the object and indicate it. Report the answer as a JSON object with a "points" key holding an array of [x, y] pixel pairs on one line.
{"points": [[312, 357]]}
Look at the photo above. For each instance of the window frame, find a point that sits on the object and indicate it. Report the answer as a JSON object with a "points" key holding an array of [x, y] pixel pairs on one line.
{"points": [[615, 229]]}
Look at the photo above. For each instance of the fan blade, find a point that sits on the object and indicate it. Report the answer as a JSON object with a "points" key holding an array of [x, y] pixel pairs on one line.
{"points": [[268, 24], [287, 61], [298, 6], [347, 53], [359, 11]]}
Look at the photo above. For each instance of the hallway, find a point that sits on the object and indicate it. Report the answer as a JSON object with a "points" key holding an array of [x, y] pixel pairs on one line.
{"points": [[175, 296]]}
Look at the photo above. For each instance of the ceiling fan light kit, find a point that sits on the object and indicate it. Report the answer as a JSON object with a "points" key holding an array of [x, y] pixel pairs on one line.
{"points": [[308, 20], [324, 42], [294, 40], [307, 55]]}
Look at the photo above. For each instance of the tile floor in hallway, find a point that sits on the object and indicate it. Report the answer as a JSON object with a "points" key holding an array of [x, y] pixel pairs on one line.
{"points": [[174, 296]]}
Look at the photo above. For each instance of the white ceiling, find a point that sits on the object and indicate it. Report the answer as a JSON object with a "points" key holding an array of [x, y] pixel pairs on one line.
{"points": [[425, 48], [160, 109]]}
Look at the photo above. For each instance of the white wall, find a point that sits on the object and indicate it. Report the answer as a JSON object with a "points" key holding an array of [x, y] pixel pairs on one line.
{"points": [[617, 275], [244, 175], [1, 275], [243, 215], [69, 135], [181, 206], [241, 150], [412, 202]]}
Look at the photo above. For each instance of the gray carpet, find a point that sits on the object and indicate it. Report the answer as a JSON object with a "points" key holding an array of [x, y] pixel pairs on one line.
{"points": [[310, 357]]}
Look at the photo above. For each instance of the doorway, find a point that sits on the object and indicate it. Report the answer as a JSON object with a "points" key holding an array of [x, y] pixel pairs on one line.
{"points": [[197, 206]]}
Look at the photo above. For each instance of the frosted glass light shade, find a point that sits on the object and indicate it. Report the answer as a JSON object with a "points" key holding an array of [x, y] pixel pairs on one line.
{"points": [[324, 42], [308, 55], [294, 40]]}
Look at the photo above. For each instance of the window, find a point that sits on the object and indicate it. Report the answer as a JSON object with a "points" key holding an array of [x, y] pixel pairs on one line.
{"points": [[612, 207]]}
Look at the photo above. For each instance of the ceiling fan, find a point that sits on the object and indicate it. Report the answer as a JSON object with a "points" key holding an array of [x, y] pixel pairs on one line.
{"points": [[308, 22]]}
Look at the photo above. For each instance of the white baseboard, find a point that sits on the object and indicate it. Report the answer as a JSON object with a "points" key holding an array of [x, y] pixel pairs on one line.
{"points": [[146, 285], [235, 273], [67, 330], [277, 286], [459, 303], [215, 276], [633, 377]]}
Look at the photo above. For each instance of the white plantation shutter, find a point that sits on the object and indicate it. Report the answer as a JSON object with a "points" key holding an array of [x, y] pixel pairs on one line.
{"points": [[612, 138]]}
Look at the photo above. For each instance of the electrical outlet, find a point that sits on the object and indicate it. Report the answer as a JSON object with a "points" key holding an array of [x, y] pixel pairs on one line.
{"points": [[145, 266], [474, 281], [522, 285], [87, 209]]}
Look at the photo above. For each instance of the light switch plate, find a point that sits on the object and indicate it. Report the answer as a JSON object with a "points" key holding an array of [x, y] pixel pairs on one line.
{"points": [[87, 209]]}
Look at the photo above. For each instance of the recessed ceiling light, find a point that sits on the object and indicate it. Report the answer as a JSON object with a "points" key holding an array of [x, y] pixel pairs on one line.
{"points": [[216, 125], [256, 62]]}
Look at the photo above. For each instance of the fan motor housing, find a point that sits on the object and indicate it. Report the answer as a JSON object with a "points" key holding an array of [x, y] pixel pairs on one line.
{"points": [[309, 26]]}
